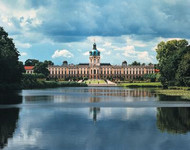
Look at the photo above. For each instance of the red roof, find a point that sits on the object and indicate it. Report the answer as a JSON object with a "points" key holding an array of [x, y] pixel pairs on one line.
{"points": [[28, 67], [157, 70]]}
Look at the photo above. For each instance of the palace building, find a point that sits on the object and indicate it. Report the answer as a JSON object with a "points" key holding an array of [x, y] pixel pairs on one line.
{"points": [[97, 70]]}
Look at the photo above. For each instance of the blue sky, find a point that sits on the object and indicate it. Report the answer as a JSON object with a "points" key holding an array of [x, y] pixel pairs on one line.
{"points": [[61, 30]]}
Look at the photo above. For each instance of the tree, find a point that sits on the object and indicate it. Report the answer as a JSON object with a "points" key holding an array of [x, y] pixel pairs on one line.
{"points": [[151, 77], [10, 70], [169, 56], [135, 63], [31, 62], [49, 62], [150, 64], [21, 67], [183, 72], [41, 68]]}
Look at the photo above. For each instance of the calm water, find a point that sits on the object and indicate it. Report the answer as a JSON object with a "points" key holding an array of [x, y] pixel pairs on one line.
{"points": [[93, 119]]}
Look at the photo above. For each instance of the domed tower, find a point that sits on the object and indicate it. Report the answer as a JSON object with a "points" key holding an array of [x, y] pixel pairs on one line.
{"points": [[94, 58]]}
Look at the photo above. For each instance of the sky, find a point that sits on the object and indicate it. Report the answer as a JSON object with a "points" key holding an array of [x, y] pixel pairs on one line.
{"points": [[61, 30]]}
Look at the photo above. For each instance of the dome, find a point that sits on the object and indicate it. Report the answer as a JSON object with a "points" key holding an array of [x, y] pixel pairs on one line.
{"points": [[94, 51]]}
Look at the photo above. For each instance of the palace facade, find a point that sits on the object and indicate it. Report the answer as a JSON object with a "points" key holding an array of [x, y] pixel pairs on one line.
{"points": [[97, 70]]}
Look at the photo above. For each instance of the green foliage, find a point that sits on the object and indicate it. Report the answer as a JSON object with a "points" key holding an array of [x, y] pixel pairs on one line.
{"points": [[48, 62], [10, 70], [33, 76], [135, 63], [183, 72], [143, 84], [31, 62], [21, 67], [170, 55], [151, 77], [41, 68], [85, 78]]}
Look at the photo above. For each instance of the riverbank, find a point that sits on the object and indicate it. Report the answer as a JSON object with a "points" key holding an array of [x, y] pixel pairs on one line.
{"points": [[52, 84], [40, 84], [183, 92], [143, 84]]}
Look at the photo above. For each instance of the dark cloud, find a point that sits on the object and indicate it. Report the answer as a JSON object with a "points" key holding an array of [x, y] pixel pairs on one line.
{"points": [[83, 18], [114, 18]]}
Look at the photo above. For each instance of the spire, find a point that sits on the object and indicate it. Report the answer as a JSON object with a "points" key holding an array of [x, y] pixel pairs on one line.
{"points": [[94, 46]]}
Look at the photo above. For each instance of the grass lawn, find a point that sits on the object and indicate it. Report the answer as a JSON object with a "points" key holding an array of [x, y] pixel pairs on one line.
{"points": [[171, 92], [145, 84], [95, 82]]}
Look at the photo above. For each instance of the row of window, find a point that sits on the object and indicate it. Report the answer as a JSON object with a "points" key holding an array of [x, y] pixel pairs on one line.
{"points": [[129, 69], [102, 72]]}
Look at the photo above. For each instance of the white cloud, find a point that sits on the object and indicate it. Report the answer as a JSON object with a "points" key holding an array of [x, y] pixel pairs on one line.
{"points": [[62, 53], [136, 43], [130, 52], [86, 53], [22, 45], [144, 57], [107, 52], [101, 49], [106, 44], [23, 54]]}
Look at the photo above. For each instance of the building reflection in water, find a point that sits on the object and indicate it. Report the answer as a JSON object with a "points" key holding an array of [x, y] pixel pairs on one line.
{"points": [[8, 124], [173, 120], [83, 95], [94, 110], [137, 92]]}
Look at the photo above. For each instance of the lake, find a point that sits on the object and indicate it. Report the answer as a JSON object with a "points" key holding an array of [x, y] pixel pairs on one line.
{"points": [[93, 118]]}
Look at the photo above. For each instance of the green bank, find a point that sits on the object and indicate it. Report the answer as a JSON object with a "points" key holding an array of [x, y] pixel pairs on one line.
{"points": [[141, 84]]}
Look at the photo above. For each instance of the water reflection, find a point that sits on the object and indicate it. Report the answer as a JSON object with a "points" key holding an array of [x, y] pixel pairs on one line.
{"points": [[170, 98], [173, 120], [122, 92], [8, 122], [94, 110], [10, 97], [86, 94]]}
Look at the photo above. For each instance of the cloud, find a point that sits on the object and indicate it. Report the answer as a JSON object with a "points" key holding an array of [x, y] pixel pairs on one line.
{"points": [[62, 53], [106, 44], [22, 45], [133, 29], [86, 53], [83, 18], [130, 52], [23, 54]]}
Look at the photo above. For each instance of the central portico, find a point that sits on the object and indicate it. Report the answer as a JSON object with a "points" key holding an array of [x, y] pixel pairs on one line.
{"points": [[94, 62]]}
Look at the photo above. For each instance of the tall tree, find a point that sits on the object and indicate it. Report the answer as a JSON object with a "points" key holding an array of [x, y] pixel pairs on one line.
{"points": [[49, 62], [41, 68], [9, 70], [183, 72], [169, 56], [31, 62]]}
